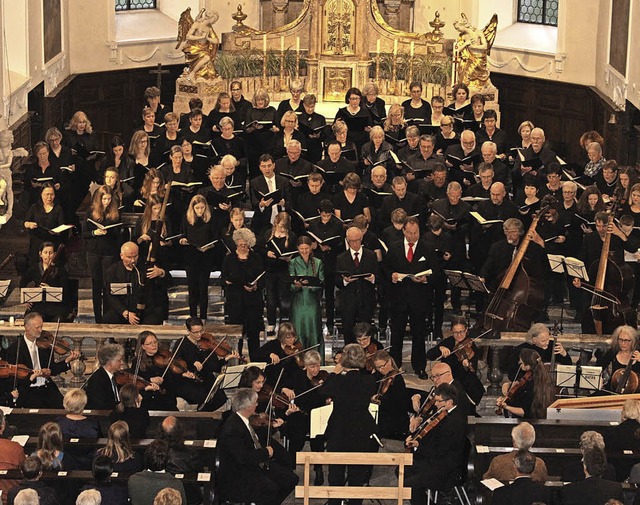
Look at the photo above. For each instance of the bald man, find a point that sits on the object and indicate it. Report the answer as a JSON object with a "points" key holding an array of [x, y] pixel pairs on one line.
{"points": [[357, 294], [123, 288]]}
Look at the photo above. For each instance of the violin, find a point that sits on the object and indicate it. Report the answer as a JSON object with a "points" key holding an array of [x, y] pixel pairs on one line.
{"points": [[217, 344], [428, 425], [384, 385], [164, 359], [8, 370], [320, 378], [280, 401], [465, 351], [515, 387], [295, 350], [60, 345], [123, 378], [369, 352], [428, 403]]}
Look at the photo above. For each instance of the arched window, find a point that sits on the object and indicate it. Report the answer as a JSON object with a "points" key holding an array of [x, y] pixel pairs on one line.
{"points": [[539, 12], [134, 5]]}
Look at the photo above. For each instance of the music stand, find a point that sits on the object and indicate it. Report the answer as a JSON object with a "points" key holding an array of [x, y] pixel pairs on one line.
{"points": [[467, 281], [577, 377], [4, 289], [49, 294], [120, 288]]}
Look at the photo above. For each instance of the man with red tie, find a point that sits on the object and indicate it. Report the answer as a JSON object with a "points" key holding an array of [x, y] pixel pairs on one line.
{"points": [[408, 263]]}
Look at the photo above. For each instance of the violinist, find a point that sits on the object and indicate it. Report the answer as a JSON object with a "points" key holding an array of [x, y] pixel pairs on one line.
{"points": [[160, 393], [623, 350], [392, 396], [440, 452], [350, 428], [539, 340], [101, 387], [461, 354], [363, 333], [304, 388], [275, 353], [529, 395], [37, 390], [44, 274], [253, 378]]}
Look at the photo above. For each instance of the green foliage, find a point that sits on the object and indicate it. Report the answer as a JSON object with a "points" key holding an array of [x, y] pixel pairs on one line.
{"points": [[430, 69], [233, 64]]}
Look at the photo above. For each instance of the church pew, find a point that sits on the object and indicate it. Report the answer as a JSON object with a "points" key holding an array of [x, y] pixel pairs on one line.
{"points": [[197, 425], [85, 475], [496, 431]]}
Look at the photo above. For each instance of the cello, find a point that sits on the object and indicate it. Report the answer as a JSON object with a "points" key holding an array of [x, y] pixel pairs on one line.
{"points": [[610, 306], [519, 296]]}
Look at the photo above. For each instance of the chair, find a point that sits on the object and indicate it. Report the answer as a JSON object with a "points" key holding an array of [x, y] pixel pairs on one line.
{"points": [[454, 483]]}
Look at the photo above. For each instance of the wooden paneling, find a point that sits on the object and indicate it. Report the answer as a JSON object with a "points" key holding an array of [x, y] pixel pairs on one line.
{"points": [[564, 112]]}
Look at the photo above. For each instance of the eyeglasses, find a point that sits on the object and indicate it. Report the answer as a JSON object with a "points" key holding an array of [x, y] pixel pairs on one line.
{"points": [[627, 340], [460, 332], [379, 367], [438, 375], [236, 89]]}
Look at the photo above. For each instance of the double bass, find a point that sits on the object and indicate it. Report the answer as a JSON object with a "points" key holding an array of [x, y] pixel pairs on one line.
{"points": [[519, 296], [609, 306]]}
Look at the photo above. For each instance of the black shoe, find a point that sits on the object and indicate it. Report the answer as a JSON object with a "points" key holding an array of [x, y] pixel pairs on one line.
{"points": [[319, 480], [422, 375]]}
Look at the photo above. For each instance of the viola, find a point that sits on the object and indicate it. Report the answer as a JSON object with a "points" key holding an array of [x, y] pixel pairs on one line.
{"points": [[295, 351], [369, 352], [164, 359], [515, 387], [123, 378], [428, 403], [8, 370], [280, 401], [60, 346], [428, 425]]}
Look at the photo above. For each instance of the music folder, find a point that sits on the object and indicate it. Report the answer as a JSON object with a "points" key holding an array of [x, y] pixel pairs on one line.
{"points": [[120, 288], [320, 418]]}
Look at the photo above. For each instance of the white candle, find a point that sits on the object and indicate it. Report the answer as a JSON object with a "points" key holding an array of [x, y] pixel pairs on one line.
{"points": [[264, 44], [395, 47], [378, 47], [297, 44], [282, 44], [412, 47]]}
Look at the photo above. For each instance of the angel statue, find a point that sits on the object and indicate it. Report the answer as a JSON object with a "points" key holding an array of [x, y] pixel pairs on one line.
{"points": [[6, 183], [471, 50], [200, 43]]}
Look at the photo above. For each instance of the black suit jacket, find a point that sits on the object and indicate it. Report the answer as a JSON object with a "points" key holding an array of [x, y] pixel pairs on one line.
{"points": [[523, 491], [239, 461], [100, 391], [591, 491], [407, 292], [359, 292], [258, 185]]}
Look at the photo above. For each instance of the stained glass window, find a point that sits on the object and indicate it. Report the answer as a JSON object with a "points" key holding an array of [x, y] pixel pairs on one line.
{"points": [[539, 12], [134, 5]]}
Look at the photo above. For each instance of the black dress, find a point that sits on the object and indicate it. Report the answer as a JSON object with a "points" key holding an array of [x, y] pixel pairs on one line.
{"points": [[349, 210], [46, 221]]}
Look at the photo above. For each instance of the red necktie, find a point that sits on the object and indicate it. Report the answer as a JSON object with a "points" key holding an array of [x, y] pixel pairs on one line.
{"points": [[410, 253], [356, 260]]}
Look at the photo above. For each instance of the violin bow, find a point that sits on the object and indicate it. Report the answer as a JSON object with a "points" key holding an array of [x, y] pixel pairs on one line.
{"points": [[270, 409], [391, 376], [15, 374], [173, 356], [53, 344]]}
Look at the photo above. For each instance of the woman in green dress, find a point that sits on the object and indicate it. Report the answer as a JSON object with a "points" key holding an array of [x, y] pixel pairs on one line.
{"points": [[307, 277]]}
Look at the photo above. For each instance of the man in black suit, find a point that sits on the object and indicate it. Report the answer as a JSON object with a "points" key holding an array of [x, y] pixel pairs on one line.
{"points": [[463, 173], [37, 390], [410, 293], [422, 162], [243, 475], [265, 211], [101, 388], [357, 295], [441, 454], [594, 490], [524, 490], [401, 199]]}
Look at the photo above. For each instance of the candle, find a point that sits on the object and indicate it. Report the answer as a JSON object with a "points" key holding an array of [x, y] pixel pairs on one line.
{"points": [[378, 47], [395, 47], [264, 44], [412, 47], [297, 44], [282, 44]]}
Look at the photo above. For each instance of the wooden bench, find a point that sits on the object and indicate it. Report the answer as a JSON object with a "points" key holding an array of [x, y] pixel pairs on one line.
{"points": [[195, 424], [96, 443], [85, 475], [398, 493]]}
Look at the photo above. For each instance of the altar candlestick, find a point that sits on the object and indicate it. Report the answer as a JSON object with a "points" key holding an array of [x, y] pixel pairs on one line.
{"points": [[264, 44], [395, 47], [378, 47], [412, 48], [282, 44], [297, 44]]}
